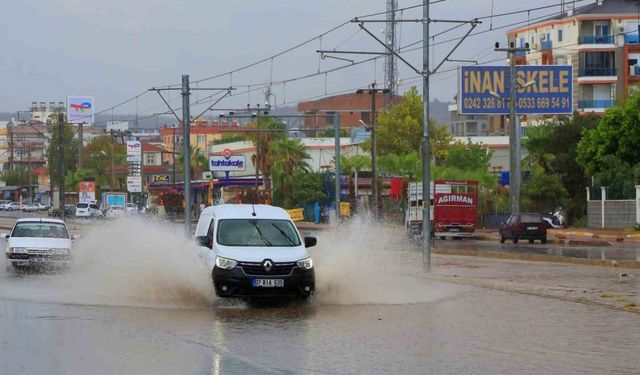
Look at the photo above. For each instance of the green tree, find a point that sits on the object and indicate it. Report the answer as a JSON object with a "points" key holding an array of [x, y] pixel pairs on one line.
{"points": [[99, 154], [407, 166], [287, 156], [543, 192], [616, 139], [70, 147], [399, 129], [468, 157], [307, 188], [266, 130], [73, 178], [15, 177], [198, 160], [554, 147]]}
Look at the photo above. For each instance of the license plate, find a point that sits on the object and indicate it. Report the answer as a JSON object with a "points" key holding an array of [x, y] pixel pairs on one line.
{"points": [[454, 230], [38, 260], [532, 228], [267, 283]]}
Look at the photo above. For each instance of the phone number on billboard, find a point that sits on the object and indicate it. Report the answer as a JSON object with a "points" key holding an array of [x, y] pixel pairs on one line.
{"points": [[522, 103]]}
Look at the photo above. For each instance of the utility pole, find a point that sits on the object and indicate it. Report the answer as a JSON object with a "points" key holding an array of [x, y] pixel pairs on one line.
{"points": [[426, 170], [81, 148], [186, 151], [61, 155], [374, 146], [29, 172], [336, 131], [11, 130], [514, 129]]}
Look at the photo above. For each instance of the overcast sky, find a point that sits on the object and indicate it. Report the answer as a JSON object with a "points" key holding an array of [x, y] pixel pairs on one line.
{"points": [[115, 49]]}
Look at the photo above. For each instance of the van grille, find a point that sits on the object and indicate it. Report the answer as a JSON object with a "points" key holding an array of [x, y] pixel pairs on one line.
{"points": [[256, 269]]}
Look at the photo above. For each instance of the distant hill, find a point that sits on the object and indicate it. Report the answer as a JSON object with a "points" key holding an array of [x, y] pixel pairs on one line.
{"points": [[439, 112]]}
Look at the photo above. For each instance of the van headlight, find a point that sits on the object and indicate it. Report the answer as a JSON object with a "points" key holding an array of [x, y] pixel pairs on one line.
{"points": [[306, 263], [17, 250], [226, 263]]}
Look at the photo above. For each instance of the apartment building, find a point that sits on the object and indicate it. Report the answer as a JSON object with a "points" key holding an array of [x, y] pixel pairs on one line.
{"points": [[601, 42]]}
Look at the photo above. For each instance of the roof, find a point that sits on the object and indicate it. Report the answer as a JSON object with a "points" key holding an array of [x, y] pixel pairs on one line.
{"points": [[148, 147], [606, 9], [40, 219], [245, 211]]}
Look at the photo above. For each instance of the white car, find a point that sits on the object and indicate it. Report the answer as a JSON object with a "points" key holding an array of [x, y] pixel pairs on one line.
{"points": [[30, 207], [255, 250], [3, 204], [88, 210], [17, 206], [115, 211], [38, 241]]}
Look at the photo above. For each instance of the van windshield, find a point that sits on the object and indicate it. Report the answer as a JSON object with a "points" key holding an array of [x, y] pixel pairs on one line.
{"points": [[257, 232]]}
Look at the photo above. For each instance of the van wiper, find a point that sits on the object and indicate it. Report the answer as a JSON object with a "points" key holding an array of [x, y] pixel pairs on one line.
{"points": [[285, 235], [262, 236]]}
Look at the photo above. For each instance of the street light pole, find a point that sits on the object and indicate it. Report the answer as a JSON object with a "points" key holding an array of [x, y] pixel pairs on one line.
{"points": [[186, 152], [61, 153], [173, 154]]}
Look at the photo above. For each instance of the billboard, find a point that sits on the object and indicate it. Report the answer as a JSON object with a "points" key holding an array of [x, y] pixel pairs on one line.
{"points": [[227, 162], [134, 148], [541, 89], [134, 184], [80, 109], [87, 191]]}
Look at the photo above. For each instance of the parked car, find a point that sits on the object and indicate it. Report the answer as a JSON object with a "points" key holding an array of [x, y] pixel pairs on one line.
{"points": [[43, 207], [525, 226], [13, 206], [115, 211], [30, 207], [95, 210], [88, 210], [34, 241], [255, 251], [69, 210], [3, 203]]}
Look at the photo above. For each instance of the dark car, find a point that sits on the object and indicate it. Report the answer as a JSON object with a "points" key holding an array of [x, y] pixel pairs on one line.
{"points": [[69, 211], [524, 227]]}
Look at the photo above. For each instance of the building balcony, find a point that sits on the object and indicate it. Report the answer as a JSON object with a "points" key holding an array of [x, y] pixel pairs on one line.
{"points": [[597, 72], [546, 45], [632, 39], [596, 39], [595, 105]]}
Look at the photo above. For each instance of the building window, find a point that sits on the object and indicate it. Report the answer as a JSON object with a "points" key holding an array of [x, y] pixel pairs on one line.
{"points": [[521, 43], [151, 159], [365, 117], [559, 35], [200, 138]]}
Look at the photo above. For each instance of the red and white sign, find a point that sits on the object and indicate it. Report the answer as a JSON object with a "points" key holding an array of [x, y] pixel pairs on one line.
{"points": [[227, 153]]}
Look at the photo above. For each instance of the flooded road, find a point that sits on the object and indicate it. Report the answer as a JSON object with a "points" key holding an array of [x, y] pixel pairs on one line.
{"points": [[137, 304]]}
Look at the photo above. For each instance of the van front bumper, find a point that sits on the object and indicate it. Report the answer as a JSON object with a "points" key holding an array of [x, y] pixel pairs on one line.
{"points": [[36, 260], [300, 283]]}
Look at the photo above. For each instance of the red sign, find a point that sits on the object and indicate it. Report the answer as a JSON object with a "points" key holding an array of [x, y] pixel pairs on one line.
{"points": [[455, 200], [227, 153]]}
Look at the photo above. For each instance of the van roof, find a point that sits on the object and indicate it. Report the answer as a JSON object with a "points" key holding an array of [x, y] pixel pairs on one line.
{"points": [[244, 211]]}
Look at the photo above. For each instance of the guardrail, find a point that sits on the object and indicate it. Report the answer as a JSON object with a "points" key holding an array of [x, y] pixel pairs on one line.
{"points": [[596, 72], [595, 39]]}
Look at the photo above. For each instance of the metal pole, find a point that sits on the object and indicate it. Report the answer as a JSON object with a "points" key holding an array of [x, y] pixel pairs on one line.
{"points": [[81, 148], [113, 180], [186, 156], [426, 178], [336, 130], [374, 154], [29, 171], [173, 180], [61, 153], [514, 139]]}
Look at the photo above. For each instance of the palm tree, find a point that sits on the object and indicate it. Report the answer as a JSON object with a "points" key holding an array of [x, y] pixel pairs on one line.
{"points": [[355, 164], [535, 142], [287, 156], [267, 130], [198, 160]]}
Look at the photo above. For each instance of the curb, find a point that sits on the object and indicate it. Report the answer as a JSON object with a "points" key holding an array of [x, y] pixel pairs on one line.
{"points": [[539, 258]]}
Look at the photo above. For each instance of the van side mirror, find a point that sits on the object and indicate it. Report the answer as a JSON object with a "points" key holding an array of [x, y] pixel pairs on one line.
{"points": [[204, 241], [4, 235], [310, 241]]}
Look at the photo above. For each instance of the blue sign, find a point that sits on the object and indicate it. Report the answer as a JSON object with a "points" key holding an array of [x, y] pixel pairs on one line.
{"points": [[541, 89]]}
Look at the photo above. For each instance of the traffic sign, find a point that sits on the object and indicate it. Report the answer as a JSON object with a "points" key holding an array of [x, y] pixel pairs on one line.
{"points": [[134, 184]]}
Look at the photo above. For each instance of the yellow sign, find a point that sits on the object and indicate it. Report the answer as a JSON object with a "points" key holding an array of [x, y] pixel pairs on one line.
{"points": [[297, 214], [345, 209]]}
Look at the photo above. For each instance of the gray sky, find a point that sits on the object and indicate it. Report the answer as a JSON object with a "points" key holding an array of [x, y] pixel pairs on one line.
{"points": [[115, 49]]}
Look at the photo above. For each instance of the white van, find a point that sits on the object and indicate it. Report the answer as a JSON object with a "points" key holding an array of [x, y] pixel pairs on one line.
{"points": [[254, 251]]}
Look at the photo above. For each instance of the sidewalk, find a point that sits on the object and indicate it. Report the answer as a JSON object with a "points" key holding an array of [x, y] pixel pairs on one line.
{"points": [[577, 236]]}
